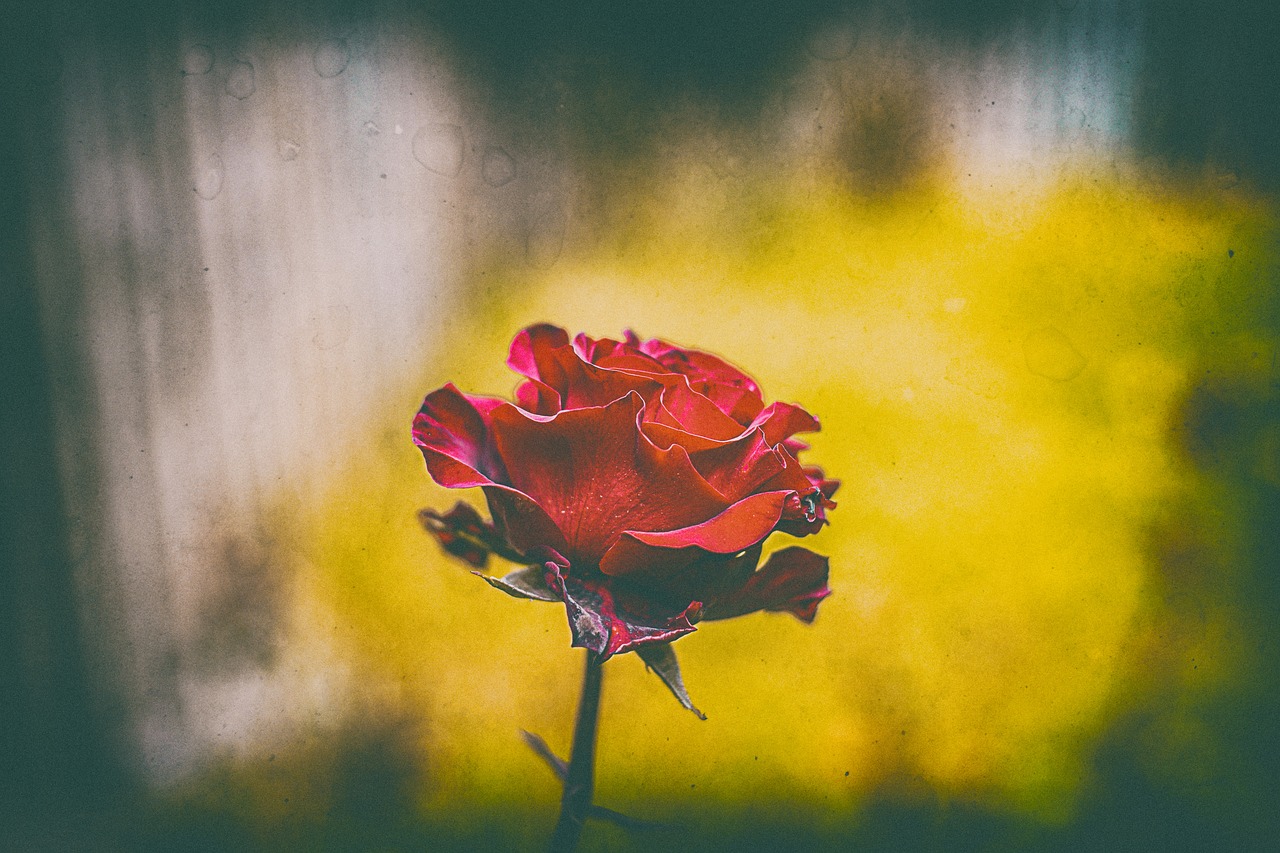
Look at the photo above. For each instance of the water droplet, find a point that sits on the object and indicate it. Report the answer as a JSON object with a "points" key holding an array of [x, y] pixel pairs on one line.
{"points": [[975, 376], [832, 44], [371, 128], [498, 167], [197, 60], [726, 162], [545, 237], [1051, 354], [331, 57], [333, 327], [240, 82], [288, 149], [209, 177], [955, 304], [439, 147]]}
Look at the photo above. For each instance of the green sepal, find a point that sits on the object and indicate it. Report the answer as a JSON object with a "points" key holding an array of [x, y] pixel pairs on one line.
{"points": [[529, 582]]}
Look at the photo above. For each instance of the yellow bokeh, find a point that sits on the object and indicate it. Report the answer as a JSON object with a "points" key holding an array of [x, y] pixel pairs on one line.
{"points": [[997, 375]]}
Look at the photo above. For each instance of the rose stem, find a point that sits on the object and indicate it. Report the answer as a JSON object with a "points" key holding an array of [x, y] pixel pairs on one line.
{"points": [[579, 781]]}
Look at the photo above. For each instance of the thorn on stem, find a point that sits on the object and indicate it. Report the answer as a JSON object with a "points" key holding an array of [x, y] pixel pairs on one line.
{"points": [[557, 764], [561, 768]]}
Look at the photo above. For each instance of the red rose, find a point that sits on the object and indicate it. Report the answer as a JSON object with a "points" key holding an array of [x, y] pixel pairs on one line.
{"points": [[637, 480]]}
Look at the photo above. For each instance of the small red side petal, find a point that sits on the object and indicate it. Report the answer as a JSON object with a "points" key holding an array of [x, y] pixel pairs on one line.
{"points": [[792, 580], [463, 533]]}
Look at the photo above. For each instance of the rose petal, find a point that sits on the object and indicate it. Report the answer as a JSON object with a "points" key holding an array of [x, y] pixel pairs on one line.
{"points": [[741, 404], [529, 348], [454, 433], [695, 363], [792, 580], [582, 384], [521, 521], [537, 397], [691, 421], [793, 475], [729, 389], [606, 625], [615, 354], [737, 468], [805, 512], [592, 350], [560, 377], [594, 473], [696, 414], [780, 421], [666, 429], [633, 361], [795, 445], [819, 479], [664, 434], [740, 526]]}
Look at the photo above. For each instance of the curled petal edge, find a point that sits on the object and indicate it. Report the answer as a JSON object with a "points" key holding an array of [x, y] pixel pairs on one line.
{"points": [[738, 527]]}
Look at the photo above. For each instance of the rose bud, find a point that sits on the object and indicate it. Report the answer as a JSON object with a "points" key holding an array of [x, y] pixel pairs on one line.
{"points": [[637, 481]]}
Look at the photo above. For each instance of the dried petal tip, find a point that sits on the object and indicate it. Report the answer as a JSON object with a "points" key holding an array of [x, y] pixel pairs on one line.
{"points": [[608, 625], [464, 534]]}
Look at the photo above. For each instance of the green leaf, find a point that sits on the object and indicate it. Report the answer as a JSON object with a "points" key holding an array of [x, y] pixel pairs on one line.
{"points": [[528, 582], [661, 659]]}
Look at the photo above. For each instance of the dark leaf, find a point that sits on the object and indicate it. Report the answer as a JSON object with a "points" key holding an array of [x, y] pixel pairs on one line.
{"points": [[619, 819], [661, 659]]}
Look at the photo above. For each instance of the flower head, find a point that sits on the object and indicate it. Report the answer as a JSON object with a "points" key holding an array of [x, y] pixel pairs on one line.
{"points": [[636, 480]]}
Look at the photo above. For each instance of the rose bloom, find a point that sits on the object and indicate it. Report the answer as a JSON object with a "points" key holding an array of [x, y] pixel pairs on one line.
{"points": [[636, 480]]}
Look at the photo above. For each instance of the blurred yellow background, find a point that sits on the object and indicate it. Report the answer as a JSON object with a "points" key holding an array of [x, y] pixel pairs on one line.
{"points": [[1021, 259], [1004, 382]]}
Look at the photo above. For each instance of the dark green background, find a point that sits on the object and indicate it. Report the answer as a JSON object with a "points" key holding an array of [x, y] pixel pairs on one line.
{"points": [[1207, 95]]}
